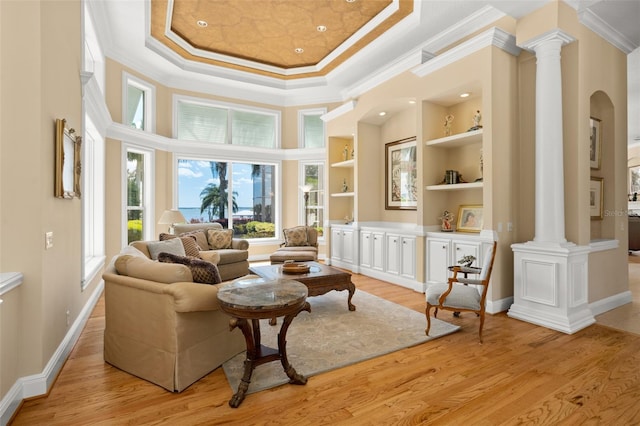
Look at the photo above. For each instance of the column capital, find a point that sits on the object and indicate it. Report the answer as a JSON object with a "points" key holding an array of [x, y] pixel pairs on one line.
{"points": [[552, 35]]}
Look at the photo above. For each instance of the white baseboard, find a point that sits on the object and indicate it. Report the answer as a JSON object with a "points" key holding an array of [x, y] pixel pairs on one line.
{"points": [[608, 303], [497, 306], [39, 384]]}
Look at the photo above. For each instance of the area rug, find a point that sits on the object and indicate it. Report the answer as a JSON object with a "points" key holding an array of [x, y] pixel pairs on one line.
{"points": [[331, 336]]}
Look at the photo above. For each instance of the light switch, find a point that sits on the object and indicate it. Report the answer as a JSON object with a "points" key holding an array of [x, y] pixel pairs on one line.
{"points": [[48, 240]]}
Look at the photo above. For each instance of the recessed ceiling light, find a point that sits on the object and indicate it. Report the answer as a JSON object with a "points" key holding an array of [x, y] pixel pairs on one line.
{"points": [[382, 113], [202, 23], [299, 50], [412, 102], [321, 28], [464, 95], [350, 1]]}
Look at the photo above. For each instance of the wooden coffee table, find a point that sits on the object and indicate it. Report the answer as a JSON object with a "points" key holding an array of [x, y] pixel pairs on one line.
{"points": [[319, 280]]}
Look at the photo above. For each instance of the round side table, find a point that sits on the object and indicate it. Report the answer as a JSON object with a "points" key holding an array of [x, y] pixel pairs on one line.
{"points": [[255, 299]]}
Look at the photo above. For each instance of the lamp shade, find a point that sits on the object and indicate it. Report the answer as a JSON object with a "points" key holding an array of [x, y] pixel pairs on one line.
{"points": [[306, 188], [169, 217]]}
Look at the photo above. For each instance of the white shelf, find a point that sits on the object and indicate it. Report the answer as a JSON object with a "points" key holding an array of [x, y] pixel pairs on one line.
{"points": [[348, 163], [455, 141], [342, 194], [455, 186]]}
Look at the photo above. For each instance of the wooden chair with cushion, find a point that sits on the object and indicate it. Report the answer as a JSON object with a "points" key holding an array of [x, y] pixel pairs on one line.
{"points": [[458, 296], [300, 245]]}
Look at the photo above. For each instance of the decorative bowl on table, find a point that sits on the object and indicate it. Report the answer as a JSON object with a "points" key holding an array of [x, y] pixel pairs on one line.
{"points": [[295, 268]]}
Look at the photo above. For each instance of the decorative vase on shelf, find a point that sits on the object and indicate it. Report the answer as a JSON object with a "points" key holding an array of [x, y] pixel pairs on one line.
{"points": [[345, 188], [345, 153], [448, 121]]}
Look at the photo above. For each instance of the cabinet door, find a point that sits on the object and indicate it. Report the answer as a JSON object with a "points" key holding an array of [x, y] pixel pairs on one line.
{"points": [[463, 248], [393, 254], [336, 243], [408, 257], [378, 251], [437, 260], [347, 246], [366, 249]]}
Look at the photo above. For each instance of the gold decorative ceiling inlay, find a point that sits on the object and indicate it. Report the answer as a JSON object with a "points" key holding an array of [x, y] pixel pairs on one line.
{"points": [[276, 38]]}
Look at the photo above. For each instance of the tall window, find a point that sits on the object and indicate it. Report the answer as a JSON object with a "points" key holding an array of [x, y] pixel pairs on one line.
{"points": [[313, 177], [138, 107], [222, 123], [93, 239], [138, 182], [311, 128], [236, 195]]}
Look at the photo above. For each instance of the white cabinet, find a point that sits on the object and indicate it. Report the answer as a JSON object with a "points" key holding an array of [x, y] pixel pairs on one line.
{"points": [[401, 255], [372, 250], [378, 251], [408, 257], [342, 246], [446, 249]]}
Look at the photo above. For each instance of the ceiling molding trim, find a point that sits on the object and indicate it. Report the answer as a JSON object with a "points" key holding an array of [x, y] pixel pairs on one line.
{"points": [[99, 15], [336, 112], [95, 104], [472, 23], [405, 63], [138, 137], [304, 154], [606, 31], [551, 35], [492, 37]]}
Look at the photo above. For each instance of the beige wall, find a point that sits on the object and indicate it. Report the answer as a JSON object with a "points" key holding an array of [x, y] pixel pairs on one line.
{"points": [[40, 81]]}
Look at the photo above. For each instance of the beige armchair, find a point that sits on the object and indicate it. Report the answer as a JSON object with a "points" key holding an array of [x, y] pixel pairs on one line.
{"points": [[162, 327], [300, 245]]}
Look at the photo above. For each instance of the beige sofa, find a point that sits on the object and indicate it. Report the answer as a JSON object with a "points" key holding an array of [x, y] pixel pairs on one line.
{"points": [[234, 261], [161, 326]]}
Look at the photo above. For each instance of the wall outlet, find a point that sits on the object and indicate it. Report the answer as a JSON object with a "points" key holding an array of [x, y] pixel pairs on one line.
{"points": [[48, 240], [509, 226]]}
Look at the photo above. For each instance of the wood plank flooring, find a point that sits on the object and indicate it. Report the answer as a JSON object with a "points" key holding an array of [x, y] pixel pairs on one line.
{"points": [[522, 374]]}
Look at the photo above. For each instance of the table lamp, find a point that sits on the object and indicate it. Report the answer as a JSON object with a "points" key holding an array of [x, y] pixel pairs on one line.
{"points": [[171, 217]]}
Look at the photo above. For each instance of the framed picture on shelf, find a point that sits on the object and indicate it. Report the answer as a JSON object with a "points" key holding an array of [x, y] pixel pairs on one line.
{"points": [[469, 218], [596, 194], [595, 143], [400, 178]]}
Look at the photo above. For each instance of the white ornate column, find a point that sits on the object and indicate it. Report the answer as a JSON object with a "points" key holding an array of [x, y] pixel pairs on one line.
{"points": [[550, 274]]}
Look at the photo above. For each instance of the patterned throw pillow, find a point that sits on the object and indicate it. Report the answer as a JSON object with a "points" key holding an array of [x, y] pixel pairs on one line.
{"points": [[219, 238], [203, 272], [200, 236], [295, 237], [191, 247]]}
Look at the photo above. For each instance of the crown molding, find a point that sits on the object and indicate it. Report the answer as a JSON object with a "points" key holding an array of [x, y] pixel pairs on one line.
{"points": [[337, 112], [492, 37], [606, 31], [552, 35]]}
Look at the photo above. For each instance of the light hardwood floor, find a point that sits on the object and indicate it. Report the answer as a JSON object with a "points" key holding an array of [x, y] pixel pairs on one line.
{"points": [[522, 374]]}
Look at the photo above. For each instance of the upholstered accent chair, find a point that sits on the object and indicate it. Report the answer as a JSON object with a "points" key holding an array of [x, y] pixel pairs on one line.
{"points": [[461, 293], [300, 245]]}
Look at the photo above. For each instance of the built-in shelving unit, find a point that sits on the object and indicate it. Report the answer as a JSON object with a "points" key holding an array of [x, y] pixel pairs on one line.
{"points": [[457, 140], [455, 186], [348, 163]]}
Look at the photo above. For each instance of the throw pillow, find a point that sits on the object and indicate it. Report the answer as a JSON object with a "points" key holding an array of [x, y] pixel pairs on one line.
{"points": [[200, 236], [219, 238], [146, 269], [296, 236], [202, 271], [173, 246], [191, 247]]}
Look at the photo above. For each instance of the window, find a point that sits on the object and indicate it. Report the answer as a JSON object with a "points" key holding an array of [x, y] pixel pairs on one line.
{"points": [[311, 128], [138, 103], [93, 240], [313, 208], [226, 124], [236, 195], [138, 193]]}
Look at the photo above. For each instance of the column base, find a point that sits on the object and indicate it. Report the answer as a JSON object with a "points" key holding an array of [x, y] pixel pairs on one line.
{"points": [[551, 285]]}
